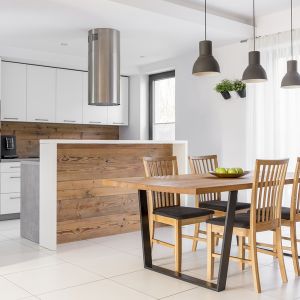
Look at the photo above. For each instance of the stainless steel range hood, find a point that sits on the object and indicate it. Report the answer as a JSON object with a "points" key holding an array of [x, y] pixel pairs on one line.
{"points": [[104, 67]]}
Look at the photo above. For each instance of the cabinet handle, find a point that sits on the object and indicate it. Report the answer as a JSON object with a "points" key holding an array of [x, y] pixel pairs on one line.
{"points": [[11, 118], [94, 122], [45, 120], [118, 123], [14, 198], [69, 121], [14, 177], [15, 167]]}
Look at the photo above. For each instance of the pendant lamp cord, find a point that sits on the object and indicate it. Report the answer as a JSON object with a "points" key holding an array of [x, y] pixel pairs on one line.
{"points": [[254, 24], [292, 51], [205, 19]]}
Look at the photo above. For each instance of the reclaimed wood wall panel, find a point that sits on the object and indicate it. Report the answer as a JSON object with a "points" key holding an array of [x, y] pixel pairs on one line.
{"points": [[29, 134], [86, 208]]}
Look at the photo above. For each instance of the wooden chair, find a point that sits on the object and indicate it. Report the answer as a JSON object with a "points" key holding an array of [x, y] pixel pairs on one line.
{"points": [[290, 216], [265, 215], [165, 207], [202, 165]]}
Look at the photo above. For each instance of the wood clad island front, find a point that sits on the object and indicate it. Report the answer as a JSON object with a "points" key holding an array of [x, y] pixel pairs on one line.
{"points": [[74, 204]]}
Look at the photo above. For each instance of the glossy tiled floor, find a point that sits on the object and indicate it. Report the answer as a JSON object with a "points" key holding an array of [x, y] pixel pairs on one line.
{"points": [[111, 268]]}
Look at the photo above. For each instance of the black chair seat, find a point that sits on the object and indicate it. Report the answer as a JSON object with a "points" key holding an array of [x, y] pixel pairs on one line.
{"points": [[182, 212], [222, 205], [240, 220], [285, 213]]}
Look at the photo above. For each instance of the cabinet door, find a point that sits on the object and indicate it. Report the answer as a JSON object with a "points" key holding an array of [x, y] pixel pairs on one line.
{"points": [[41, 94], [118, 115], [69, 91], [10, 203], [13, 98], [96, 115]]}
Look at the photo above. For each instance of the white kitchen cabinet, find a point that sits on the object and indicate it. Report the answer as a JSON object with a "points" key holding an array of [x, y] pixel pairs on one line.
{"points": [[69, 92], [96, 115], [13, 92], [41, 83], [10, 185], [118, 115]]}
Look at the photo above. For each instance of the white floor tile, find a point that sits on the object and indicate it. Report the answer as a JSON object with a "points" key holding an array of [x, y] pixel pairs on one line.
{"points": [[52, 278], [9, 291], [200, 293], [153, 284], [29, 264], [105, 289], [116, 264]]}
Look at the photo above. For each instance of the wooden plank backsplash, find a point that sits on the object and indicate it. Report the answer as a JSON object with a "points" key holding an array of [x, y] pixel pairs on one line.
{"points": [[29, 134]]}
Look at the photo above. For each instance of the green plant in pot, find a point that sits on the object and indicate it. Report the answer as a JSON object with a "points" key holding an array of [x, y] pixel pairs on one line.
{"points": [[224, 88], [240, 87]]}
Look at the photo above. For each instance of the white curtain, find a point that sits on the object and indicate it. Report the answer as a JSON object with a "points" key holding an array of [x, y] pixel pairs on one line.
{"points": [[273, 113]]}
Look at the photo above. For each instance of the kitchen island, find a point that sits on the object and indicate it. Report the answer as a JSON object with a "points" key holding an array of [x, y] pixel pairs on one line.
{"points": [[74, 205]]}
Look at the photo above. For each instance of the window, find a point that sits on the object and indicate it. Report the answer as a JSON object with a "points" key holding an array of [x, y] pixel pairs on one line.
{"points": [[162, 106]]}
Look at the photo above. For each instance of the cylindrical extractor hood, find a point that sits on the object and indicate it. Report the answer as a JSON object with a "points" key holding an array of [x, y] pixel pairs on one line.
{"points": [[104, 67]]}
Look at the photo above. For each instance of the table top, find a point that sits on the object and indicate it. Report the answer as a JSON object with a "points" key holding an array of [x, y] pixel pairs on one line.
{"points": [[187, 184]]}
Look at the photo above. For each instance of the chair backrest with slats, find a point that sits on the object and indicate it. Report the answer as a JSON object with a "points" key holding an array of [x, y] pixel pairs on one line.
{"points": [[202, 165], [161, 166], [295, 202], [266, 200]]}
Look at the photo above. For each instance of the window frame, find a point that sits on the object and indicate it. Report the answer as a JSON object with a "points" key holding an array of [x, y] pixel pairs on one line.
{"points": [[152, 79]]}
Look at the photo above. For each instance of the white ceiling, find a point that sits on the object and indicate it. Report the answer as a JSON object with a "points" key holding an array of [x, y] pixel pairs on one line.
{"points": [[240, 9], [150, 30]]}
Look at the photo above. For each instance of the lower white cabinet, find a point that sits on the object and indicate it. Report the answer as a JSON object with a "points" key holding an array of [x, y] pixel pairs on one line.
{"points": [[10, 187], [10, 203]]}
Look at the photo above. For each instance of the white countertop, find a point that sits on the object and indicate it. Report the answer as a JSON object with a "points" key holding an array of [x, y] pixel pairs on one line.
{"points": [[109, 142]]}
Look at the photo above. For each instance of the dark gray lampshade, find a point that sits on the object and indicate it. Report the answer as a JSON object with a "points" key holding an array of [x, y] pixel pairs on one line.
{"points": [[206, 64], [291, 79], [254, 72]]}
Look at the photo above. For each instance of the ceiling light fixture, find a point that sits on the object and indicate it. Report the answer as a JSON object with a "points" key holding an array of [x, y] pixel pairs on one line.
{"points": [[254, 73], [292, 78], [206, 64]]}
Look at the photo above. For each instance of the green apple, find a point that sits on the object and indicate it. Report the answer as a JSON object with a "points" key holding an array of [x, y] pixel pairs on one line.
{"points": [[232, 171], [240, 170], [221, 171]]}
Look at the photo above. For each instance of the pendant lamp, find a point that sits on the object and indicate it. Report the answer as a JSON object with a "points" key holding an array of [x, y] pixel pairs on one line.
{"points": [[254, 73], [292, 78], [206, 64]]}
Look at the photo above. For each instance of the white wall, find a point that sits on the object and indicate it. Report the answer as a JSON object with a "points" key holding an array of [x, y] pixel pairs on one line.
{"points": [[137, 128]]}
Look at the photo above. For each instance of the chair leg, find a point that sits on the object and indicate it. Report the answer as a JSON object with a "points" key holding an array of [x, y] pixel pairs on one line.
{"points": [[294, 248], [210, 251], [178, 246], [280, 257], [241, 243], [254, 262], [151, 230], [274, 243], [196, 235]]}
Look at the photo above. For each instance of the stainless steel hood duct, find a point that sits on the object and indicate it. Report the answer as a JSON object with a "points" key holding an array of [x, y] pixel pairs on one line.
{"points": [[104, 67]]}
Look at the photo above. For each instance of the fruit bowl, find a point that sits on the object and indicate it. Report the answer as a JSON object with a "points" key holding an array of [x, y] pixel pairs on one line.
{"points": [[229, 175]]}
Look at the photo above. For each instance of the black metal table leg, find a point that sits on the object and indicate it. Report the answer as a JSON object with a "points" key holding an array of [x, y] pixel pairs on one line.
{"points": [[227, 237], [145, 229], [147, 250]]}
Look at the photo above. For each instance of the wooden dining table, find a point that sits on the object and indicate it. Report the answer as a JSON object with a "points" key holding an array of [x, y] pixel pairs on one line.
{"points": [[188, 185]]}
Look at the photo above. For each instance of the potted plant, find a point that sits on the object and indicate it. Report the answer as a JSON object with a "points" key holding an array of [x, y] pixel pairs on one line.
{"points": [[224, 88], [240, 88]]}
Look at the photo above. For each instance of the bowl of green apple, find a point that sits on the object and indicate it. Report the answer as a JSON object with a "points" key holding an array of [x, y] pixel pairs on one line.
{"points": [[229, 172]]}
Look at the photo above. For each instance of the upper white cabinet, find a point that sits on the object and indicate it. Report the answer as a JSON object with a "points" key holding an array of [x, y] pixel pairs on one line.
{"points": [[69, 92], [44, 94], [96, 115], [13, 92], [118, 115], [41, 94]]}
